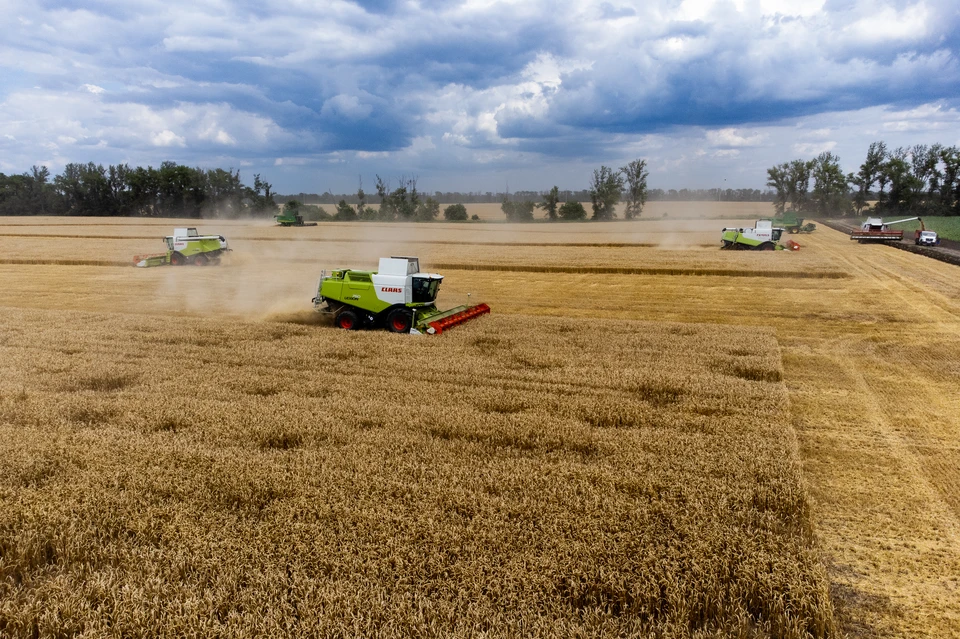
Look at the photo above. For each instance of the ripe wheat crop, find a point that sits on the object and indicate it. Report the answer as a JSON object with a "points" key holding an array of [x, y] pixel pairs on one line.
{"points": [[175, 461], [516, 476]]}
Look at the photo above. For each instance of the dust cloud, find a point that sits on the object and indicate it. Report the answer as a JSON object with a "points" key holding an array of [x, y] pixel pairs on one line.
{"points": [[271, 281]]}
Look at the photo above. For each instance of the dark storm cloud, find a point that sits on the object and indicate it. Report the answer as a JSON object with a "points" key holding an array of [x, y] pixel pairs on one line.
{"points": [[470, 81]]}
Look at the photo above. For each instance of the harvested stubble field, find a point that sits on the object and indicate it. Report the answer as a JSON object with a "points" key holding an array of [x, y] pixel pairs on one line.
{"points": [[187, 451]]}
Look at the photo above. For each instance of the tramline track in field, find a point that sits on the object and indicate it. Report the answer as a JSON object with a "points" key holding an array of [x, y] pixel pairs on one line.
{"points": [[329, 240], [517, 268]]}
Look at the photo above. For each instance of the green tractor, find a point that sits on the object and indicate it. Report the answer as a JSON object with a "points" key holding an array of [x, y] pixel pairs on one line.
{"points": [[397, 297]]}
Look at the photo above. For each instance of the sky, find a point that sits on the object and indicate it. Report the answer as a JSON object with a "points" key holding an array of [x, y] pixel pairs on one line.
{"points": [[477, 95]]}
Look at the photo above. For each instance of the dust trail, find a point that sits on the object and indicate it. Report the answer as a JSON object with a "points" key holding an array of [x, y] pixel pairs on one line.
{"points": [[58, 262]]}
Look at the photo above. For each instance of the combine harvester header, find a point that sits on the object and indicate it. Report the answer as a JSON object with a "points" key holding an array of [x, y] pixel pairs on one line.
{"points": [[398, 297], [187, 246]]}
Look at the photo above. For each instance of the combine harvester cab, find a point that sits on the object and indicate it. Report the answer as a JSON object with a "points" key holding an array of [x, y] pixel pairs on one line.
{"points": [[398, 297], [763, 237], [187, 246], [875, 229]]}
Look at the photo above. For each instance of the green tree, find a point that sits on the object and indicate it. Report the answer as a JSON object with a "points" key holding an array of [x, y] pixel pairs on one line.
{"points": [[950, 184], [572, 211], [605, 192], [778, 178], [636, 181], [43, 194], [260, 197], [517, 211], [361, 196], [144, 190], [905, 187], [224, 193], [866, 177], [402, 202], [455, 213], [830, 191], [798, 184], [387, 209], [428, 210], [345, 212], [926, 162], [550, 203]]}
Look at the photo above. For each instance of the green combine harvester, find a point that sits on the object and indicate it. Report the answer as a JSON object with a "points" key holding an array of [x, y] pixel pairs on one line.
{"points": [[291, 218], [763, 237], [793, 223], [397, 297], [187, 246]]}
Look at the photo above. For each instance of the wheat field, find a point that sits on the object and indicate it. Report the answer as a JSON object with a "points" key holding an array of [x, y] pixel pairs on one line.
{"points": [[648, 436]]}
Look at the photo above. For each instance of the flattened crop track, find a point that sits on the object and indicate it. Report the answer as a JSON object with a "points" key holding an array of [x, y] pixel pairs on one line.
{"points": [[627, 270], [521, 268], [56, 262], [329, 240]]}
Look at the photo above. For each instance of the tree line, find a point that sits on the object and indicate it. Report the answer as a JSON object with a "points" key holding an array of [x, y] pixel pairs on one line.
{"points": [[564, 195], [917, 180], [175, 190], [405, 202], [607, 187], [172, 190]]}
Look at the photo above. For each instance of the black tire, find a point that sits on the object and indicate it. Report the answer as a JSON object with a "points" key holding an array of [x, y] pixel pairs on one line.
{"points": [[793, 230], [767, 246], [177, 259], [399, 320], [348, 320], [201, 260]]}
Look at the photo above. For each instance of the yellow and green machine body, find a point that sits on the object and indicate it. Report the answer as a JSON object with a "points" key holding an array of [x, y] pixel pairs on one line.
{"points": [[398, 297]]}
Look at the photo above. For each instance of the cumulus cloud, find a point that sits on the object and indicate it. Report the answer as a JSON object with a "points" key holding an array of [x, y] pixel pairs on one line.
{"points": [[732, 138], [500, 87], [168, 138]]}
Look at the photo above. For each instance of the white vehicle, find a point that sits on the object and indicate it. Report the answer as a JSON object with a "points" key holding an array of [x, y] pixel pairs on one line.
{"points": [[927, 238]]}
